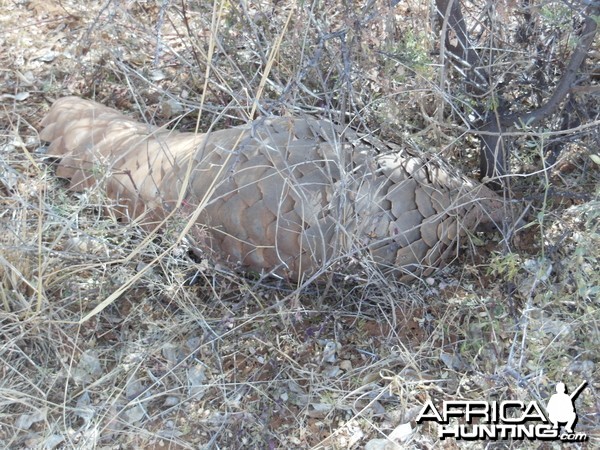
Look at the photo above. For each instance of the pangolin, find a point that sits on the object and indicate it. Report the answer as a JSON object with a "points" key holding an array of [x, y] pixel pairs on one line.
{"points": [[291, 197]]}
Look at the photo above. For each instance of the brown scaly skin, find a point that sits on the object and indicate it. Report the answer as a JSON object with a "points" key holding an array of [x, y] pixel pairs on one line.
{"points": [[289, 196]]}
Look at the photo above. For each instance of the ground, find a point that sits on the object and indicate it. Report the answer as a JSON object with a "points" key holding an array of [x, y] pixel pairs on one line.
{"points": [[178, 352]]}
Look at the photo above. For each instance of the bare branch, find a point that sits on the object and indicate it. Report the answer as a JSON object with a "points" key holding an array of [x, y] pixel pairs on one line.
{"points": [[493, 155]]}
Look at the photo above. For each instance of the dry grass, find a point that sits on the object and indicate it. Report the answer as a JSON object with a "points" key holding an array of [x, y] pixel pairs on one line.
{"points": [[193, 356]]}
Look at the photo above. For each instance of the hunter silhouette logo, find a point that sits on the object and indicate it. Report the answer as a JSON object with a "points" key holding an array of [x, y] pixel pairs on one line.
{"points": [[561, 408], [477, 420]]}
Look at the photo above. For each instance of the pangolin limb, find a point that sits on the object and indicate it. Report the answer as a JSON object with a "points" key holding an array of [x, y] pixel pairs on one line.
{"points": [[280, 195]]}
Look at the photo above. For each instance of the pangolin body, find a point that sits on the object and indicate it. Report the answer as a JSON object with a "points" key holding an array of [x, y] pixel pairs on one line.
{"points": [[293, 197]]}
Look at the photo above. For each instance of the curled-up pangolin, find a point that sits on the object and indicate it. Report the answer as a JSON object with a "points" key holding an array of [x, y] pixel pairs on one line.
{"points": [[288, 196]]}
